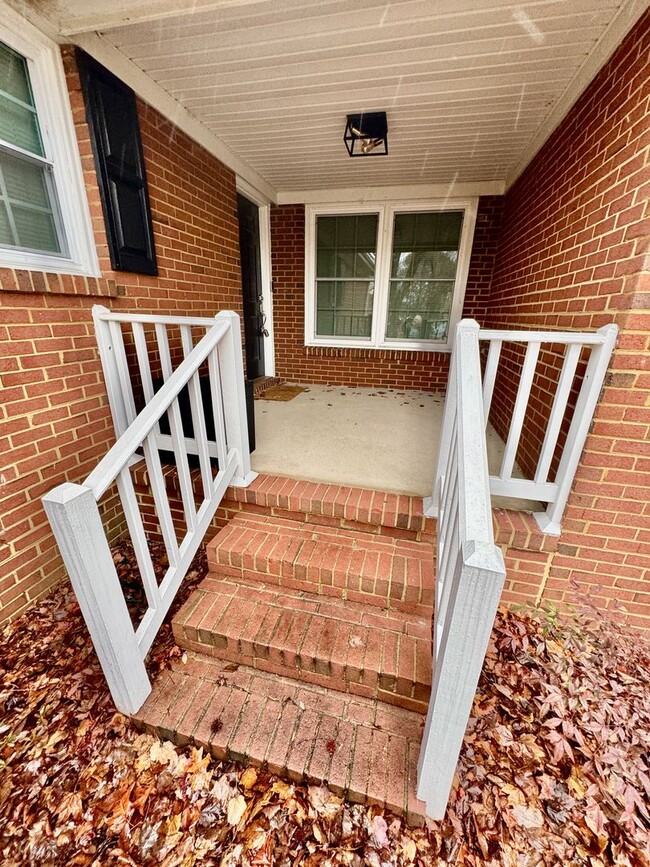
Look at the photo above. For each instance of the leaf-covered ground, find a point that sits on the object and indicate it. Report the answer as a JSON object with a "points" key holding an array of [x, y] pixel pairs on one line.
{"points": [[554, 770]]}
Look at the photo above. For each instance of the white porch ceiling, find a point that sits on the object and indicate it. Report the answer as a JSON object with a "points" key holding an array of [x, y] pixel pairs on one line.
{"points": [[471, 87]]}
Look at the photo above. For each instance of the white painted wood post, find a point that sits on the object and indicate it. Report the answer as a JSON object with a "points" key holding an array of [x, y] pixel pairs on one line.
{"points": [[550, 520], [234, 397], [470, 616], [76, 522], [108, 358]]}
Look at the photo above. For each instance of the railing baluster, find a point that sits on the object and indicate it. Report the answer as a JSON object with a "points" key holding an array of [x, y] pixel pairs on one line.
{"points": [[519, 411], [138, 537], [122, 363], [217, 408], [177, 434], [142, 354], [198, 417], [563, 389], [490, 376], [159, 493]]}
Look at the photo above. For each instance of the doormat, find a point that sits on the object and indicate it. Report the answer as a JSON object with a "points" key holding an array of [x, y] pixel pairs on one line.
{"points": [[281, 392]]}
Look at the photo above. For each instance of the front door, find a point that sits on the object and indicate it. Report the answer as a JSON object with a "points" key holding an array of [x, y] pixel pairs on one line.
{"points": [[251, 279]]}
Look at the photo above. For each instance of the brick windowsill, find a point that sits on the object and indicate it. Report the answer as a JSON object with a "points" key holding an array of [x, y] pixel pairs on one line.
{"points": [[19, 280]]}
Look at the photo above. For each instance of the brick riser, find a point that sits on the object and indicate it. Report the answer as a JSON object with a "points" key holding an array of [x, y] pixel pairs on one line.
{"points": [[343, 564], [333, 643], [364, 750]]}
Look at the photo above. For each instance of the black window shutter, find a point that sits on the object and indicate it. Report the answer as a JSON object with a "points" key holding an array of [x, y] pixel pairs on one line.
{"points": [[113, 120]]}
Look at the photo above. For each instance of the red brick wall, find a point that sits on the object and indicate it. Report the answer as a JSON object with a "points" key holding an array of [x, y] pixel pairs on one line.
{"points": [[362, 367], [573, 254], [54, 416]]}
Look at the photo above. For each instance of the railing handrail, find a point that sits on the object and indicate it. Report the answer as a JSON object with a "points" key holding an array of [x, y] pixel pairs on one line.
{"points": [[74, 509], [585, 338], [107, 470], [105, 315], [469, 572]]}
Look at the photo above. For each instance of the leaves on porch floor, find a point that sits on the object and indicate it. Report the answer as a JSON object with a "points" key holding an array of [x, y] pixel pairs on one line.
{"points": [[554, 769]]}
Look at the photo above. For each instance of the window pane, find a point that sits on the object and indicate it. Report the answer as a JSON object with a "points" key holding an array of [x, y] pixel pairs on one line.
{"points": [[346, 255], [419, 309], [27, 206], [346, 246], [344, 308], [36, 230], [18, 121], [423, 271]]}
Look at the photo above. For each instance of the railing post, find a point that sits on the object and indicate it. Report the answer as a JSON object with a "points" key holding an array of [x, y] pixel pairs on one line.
{"points": [[108, 358], [473, 602], [550, 520], [234, 397], [78, 530]]}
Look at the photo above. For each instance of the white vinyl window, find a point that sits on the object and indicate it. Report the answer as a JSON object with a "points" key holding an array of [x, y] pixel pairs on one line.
{"points": [[44, 219], [386, 276]]}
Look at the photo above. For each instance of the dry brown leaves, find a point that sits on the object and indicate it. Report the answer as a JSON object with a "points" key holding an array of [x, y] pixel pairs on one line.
{"points": [[554, 769]]}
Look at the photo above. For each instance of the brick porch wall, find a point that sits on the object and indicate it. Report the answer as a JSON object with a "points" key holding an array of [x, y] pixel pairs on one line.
{"points": [[55, 418], [573, 254], [363, 367]]}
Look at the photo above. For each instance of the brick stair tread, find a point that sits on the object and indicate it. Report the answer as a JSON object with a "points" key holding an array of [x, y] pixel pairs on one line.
{"points": [[317, 500], [338, 505], [362, 749], [344, 645], [358, 566]]}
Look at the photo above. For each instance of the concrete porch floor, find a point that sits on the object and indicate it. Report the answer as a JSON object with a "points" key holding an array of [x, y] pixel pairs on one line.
{"points": [[374, 438]]}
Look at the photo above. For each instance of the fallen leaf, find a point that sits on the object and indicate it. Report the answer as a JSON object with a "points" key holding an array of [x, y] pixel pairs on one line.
{"points": [[236, 809], [528, 817], [248, 778]]}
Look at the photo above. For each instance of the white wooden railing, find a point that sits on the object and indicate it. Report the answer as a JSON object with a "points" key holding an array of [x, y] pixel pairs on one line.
{"points": [[469, 576], [73, 509], [600, 345]]}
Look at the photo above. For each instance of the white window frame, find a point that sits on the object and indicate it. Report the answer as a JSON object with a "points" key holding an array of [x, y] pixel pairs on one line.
{"points": [[386, 212], [56, 124]]}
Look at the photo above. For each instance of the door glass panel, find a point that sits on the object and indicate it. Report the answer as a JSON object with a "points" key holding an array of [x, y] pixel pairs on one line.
{"points": [[424, 260]]}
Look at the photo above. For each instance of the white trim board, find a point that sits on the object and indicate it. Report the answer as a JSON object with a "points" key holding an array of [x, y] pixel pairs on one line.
{"points": [[401, 193], [625, 19]]}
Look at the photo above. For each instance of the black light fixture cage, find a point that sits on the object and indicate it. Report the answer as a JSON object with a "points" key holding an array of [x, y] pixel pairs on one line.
{"points": [[366, 134]]}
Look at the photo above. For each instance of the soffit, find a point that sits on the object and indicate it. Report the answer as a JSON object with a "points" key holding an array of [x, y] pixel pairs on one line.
{"points": [[467, 85]]}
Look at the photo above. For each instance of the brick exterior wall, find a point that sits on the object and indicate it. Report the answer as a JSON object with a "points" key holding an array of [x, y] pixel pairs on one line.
{"points": [[54, 415], [387, 368], [573, 254]]}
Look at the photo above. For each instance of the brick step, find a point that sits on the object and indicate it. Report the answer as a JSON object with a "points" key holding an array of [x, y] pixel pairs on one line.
{"points": [[331, 642], [381, 512], [364, 750], [348, 564]]}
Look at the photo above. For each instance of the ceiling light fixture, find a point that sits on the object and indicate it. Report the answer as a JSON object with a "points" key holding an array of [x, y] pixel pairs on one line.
{"points": [[366, 135]]}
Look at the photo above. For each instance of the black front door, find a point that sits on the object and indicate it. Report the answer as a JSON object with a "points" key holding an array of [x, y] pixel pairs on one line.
{"points": [[251, 279]]}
